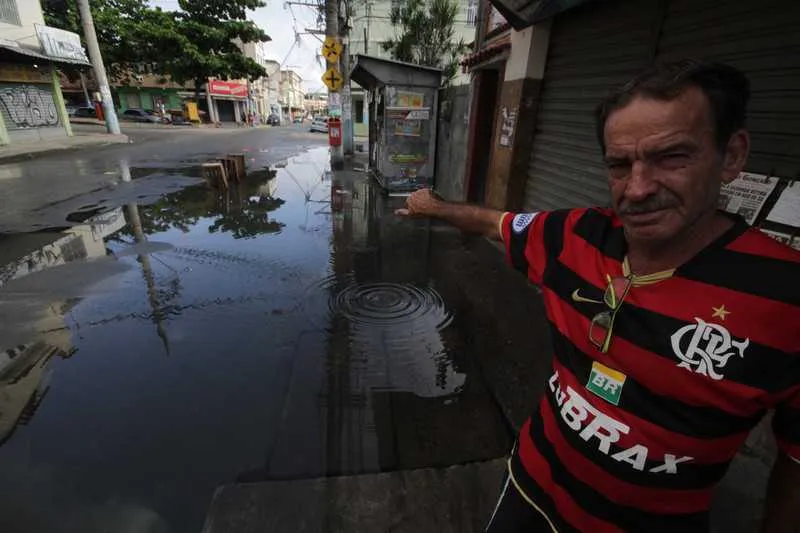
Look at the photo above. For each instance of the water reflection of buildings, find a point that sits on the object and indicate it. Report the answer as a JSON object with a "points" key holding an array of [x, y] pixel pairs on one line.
{"points": [[23, 367]]}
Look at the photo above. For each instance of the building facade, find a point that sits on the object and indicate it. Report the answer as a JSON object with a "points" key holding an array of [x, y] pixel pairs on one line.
{"points": [[31, 103], [273, 86], [291, 97], [259, 88], [316, 104]]}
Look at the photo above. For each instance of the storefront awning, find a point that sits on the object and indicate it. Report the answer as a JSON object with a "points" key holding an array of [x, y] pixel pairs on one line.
{"points": [[371, 72], [13, 51], [523, 13]]}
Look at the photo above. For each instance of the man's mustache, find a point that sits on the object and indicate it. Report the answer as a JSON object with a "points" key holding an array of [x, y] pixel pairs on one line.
{"points": [[649, 204]]}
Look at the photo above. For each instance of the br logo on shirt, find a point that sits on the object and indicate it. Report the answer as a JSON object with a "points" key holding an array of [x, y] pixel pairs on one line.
{"points": [[705, 348], [522, 221]]}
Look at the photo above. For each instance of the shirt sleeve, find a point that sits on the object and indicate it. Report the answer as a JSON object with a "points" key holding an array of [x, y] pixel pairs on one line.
{"points": [[786, 425], [523, 237]]}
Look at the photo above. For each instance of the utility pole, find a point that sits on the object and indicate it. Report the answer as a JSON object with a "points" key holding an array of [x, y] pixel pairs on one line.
{"points": [[332, 30], [347, 107], [112, 125]]}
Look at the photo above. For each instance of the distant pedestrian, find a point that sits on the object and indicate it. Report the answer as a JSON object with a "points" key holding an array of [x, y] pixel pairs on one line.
{"points": [[675, 326]]}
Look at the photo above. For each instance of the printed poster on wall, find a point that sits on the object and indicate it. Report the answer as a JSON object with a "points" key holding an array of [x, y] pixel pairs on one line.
{"points": [[407, 128], [410, 99], [746, 195], [787, 208], [784, 238]]}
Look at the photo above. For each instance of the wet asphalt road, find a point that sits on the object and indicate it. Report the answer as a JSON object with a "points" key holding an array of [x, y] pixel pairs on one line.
{"points": [[182, 337], [29, 188]]}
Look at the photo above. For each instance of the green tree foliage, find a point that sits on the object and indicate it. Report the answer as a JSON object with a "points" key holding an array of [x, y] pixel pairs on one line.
{"points": [[211, 29], [192, 44], [425, 35], [129, 32]]}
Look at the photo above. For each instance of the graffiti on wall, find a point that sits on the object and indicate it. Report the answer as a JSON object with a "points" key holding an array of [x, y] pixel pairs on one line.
{"points": [[27, 106]]}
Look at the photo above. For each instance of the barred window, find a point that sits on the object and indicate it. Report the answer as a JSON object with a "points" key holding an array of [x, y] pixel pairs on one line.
{"points": [[9, 12], [472, 12]]}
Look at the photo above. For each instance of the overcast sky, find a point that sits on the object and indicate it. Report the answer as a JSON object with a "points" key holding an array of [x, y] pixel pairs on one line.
{"points": [[280, 24]]}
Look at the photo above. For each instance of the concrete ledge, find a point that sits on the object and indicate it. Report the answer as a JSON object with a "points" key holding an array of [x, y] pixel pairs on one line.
{"points": [[457, 499], [28, 150]]}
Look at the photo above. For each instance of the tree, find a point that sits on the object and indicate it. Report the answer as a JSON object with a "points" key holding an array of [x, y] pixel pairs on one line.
{"points": [[193, 44], [426, 35], [129, 31], [210, 31]]}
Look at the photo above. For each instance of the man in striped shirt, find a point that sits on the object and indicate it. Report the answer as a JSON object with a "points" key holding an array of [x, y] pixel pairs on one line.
{"points": [[674, 325]]}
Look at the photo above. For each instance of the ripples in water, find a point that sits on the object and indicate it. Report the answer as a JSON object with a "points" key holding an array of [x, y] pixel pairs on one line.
{"points": [[396, 331]]}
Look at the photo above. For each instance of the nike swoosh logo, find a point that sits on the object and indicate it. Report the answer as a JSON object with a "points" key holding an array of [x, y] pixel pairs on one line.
{"points": [[578, 298]]}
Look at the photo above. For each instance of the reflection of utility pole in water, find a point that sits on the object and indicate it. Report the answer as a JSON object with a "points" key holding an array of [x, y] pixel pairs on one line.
{"points": [[147, 272], [343, 396]]}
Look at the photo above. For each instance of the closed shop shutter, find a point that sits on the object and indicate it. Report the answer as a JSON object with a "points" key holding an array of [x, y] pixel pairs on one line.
{"points": [[592, 49], [761, 38], [147, 101], [29, 111], [133, 101]]}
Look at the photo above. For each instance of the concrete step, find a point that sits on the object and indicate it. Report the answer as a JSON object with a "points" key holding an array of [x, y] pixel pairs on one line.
{"points": [[457, 499]]}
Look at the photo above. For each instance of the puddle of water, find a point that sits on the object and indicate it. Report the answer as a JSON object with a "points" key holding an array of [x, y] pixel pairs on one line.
{"points": [[288, 327]]}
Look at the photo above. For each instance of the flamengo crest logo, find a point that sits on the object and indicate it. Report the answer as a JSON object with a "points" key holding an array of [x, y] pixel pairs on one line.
{"points": [[705, 348]]}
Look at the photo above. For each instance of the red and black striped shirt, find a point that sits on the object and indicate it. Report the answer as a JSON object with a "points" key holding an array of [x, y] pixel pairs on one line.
{"points": [[635, 439]]}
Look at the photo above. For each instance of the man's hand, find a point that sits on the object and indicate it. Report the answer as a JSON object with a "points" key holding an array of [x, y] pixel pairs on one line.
{"points": [[467, 218], [422, 203]]}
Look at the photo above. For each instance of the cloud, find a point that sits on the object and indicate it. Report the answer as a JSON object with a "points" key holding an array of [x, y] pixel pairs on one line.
{"points": [[280, 24]]}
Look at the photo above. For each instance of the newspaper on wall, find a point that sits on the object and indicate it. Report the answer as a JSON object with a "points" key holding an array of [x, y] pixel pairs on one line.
{"points": [[787, 208], [746, 195], [784, 238]]}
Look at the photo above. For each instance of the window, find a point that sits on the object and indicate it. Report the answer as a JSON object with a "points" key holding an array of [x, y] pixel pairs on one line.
{"points": [[359, 108], [9, 12], [472, 12]]}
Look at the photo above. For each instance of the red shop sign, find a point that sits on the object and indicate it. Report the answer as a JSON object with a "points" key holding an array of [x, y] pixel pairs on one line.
{"points": [[227, 88]]}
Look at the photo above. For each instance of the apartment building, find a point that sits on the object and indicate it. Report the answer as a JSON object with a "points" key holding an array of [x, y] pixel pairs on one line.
{"points": [[292, 96]]}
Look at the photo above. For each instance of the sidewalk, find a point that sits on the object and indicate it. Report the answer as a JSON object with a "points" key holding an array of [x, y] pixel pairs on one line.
{"points": [[457, 499], [28, 150]]}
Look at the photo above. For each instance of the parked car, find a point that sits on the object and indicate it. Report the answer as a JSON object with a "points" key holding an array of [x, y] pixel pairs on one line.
{"points": [[71, 109], [143, 115], [320, 124], [273, 120], [85, 112]]}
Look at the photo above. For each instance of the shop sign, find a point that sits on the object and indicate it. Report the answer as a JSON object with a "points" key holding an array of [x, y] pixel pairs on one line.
{"points": [[227, 88], [418, 114], [61, 44]]}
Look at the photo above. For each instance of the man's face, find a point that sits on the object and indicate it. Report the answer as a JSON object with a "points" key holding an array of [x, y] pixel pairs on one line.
{"points": [[664, 169]]}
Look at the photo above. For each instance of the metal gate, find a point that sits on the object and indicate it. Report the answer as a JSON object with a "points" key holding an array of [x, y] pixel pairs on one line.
{"points": [[761, 38], [600, 46], [29, 111], [592, 49], [133, 101]]}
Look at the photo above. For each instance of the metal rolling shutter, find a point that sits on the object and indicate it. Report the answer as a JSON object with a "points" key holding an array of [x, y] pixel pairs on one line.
{"points": [[760, 37], [592, 49]]}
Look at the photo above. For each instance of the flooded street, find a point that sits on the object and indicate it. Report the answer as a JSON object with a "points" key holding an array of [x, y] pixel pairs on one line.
{"points": [[288, 328]]}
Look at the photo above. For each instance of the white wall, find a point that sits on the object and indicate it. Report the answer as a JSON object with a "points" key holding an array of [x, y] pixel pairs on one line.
{"points": [[30, 13], [373, 15]]}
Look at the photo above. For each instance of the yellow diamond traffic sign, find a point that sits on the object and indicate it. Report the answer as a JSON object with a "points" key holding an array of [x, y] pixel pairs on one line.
{"points": [[332, 79], [331, 49]]}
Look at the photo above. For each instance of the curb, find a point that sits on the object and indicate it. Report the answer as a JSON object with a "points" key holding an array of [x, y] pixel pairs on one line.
{"points": [[28, 156]]}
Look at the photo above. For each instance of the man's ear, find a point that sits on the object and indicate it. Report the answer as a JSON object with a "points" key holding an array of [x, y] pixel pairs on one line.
{"points": [[735, 155]]}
